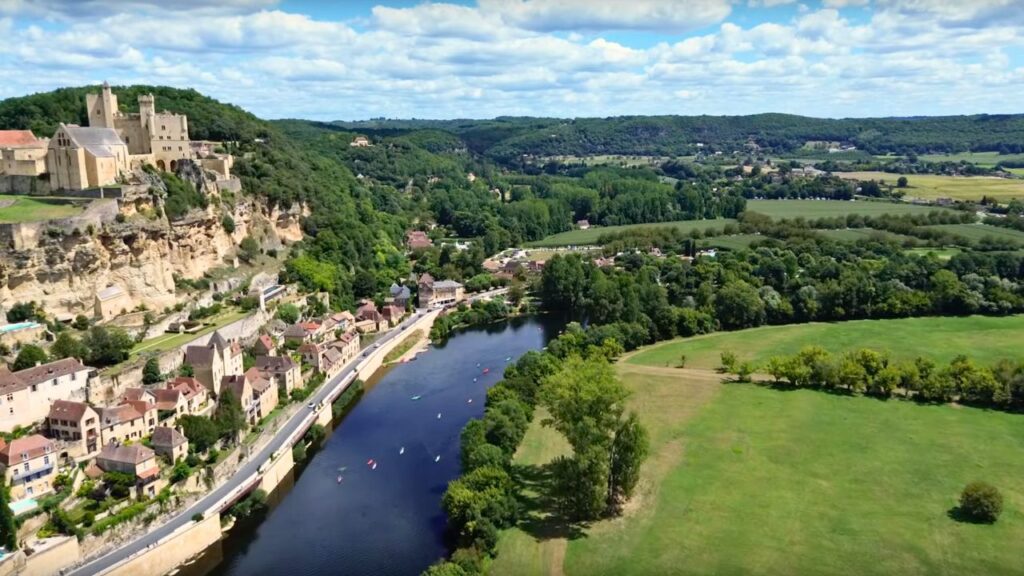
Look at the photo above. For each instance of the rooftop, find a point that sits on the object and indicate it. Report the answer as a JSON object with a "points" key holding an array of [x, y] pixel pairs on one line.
{"points": [[24, 449]]}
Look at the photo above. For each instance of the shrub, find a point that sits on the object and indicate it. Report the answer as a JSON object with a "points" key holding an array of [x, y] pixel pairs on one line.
{"points": [[981, 502], [197, 517]]}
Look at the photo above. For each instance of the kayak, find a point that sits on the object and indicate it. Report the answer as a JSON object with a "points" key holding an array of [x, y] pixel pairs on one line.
{"points": [[416, 397]]}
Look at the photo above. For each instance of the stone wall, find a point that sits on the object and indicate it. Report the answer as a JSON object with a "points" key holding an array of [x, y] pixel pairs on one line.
{"points": [[51, 556], [26, 235], [14, 184], [171, 551]]}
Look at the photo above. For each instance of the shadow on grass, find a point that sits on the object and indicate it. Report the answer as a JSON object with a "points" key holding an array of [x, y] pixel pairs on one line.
{"points": [[958, 514], [540, 516]]}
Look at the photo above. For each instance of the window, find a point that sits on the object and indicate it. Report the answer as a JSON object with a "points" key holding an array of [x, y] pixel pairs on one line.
{"points": [[46, 460], [56, 381], [35, 387], [26, 466]]}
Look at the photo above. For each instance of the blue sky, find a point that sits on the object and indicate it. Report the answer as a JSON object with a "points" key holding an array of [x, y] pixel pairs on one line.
{"points": [[482, 58]]}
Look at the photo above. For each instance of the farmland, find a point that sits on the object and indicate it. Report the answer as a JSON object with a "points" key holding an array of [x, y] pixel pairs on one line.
{"points": [[590, 236], [987, 159], [28, 209], [828, 208], [975, 232], [855, 234], [931, 186], [988, 339]]}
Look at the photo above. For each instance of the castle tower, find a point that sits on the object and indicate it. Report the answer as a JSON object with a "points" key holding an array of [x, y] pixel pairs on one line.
{"points": [[147, 111], [101, 108]]}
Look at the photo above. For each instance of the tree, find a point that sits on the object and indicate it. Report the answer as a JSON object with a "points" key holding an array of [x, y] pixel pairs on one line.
{"points": [[107, 346], [228, 223], [485, 455], [445, 568], [902, 182], [67, 346], [81, 322], [288, 313], [981, 502], [8, 527], [186, 370], [24, 311], [629, 450], [151, 371], [202, 433], [229, 417], [29, 356], [586, 401], [180, 472], [248, 249], [738, 305]]}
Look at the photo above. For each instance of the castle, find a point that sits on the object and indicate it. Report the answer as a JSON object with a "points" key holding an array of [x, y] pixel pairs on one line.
{"points": [[115, 142]]}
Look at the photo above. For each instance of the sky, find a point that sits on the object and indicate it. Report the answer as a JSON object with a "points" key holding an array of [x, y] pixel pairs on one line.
{"points": [[359, 59]]}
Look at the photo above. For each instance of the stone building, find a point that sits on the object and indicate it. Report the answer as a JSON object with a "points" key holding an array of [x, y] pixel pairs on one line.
{"points": [[169, 443], [26, 395], [77, 425], [163, 135], [29, 466], [81, 158], [214, 360], [21, 153], [433, 293], [110, 302]]}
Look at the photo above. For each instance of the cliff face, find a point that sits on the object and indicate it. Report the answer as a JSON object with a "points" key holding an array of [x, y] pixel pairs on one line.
{"points": [[64, 268]]}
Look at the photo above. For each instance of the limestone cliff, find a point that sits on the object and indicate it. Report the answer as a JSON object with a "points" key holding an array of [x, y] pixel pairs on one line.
{"points": [[64, 266]]}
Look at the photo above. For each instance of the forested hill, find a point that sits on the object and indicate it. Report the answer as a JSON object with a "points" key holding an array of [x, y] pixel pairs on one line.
{"points": [[506, 139], [354, 232]]}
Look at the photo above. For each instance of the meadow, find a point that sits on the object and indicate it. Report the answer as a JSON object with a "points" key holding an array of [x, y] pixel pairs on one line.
{"points": [[829, 208], [30, 209], [987, 338], [986, 159], [591, 235], [746, 479], [975, 232], [855, 234], [931, 186]]}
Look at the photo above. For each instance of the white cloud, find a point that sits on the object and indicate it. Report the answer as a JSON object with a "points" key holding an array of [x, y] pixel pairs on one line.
{"points": [[655, 15]]}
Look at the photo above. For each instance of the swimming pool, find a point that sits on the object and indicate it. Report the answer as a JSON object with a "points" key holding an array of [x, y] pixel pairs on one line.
{"points": [[17, 326], [22, 506]]}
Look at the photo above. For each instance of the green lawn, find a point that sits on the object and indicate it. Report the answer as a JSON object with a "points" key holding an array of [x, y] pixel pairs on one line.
{"points": [[987, 339], [975, 232], [830, 208], [804, 482], [979, 158], [591, 235], [733, 242], [854, 234], [932, 186], [165, 342], [34, 209]]}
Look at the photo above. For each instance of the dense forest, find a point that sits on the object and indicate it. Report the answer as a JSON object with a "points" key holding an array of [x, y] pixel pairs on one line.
{"points": [[508, 139]]}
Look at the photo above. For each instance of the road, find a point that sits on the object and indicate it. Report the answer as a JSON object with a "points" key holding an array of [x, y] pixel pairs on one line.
{"points": [[248, 469]]}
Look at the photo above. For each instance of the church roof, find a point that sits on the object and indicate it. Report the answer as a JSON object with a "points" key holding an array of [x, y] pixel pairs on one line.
{"points": [[98, 141]]}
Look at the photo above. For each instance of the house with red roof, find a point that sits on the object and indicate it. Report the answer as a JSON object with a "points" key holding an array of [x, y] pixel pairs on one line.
{"points": [[29, 465], [21, 153]]}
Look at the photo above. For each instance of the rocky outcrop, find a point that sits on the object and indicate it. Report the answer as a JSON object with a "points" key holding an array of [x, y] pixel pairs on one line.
{"points": [[63, 268]]}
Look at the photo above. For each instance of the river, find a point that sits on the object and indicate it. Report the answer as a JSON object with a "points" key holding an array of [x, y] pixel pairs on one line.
{"points": [[386, 520]]}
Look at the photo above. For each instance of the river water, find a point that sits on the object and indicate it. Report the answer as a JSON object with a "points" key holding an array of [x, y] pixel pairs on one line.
{"points": [[386, 520]]}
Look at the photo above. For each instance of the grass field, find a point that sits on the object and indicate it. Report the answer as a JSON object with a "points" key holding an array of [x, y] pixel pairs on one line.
{"points": [[975, 232], [733, 242], [829, 208], [987, 338], [744, 479], [980, 158], [854, 234], [590, 236], [941, 253], [932, 186], [168, 341], [29, 209]]}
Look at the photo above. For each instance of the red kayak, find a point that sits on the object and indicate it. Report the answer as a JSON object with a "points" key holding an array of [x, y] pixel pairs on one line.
{"points": [[486, 370]]}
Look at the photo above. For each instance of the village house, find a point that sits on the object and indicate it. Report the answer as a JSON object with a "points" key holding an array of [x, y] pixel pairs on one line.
{"points": [[169, 443], [122, 423], [264, 346], [214, 360], [368, 318], [583, 224], [417, 240], [360, 142], [347, 345], [434, 293], [332, 362], [304, 332], [111, 302], [21, 153], [136, 460], [257, 394], [76, 425], [29, 466], [26, 395], [281, 370], [392, 314], [339, 321], [241, 388], [170, 404], [400, 296], [195, 394]]}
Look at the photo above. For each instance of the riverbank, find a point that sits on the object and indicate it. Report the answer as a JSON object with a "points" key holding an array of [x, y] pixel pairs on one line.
{"points": [[266, 468], [389, 518]]}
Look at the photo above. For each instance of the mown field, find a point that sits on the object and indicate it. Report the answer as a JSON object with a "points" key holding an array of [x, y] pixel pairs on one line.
{"points": [[931, 186], [829, 208], [987, 338], [975, 232], [590, 236], [855, 234], [744, 479], [28, 209], [987, 159]]}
